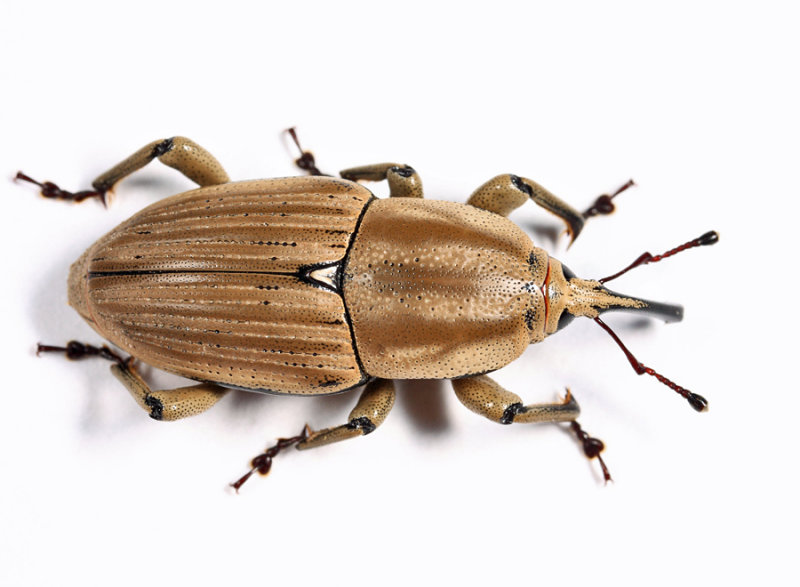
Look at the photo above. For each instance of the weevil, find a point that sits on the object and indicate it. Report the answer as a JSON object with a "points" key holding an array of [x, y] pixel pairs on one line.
{"points": [[311, 285]]}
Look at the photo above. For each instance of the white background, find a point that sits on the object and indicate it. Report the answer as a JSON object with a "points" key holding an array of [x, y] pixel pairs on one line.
{"points": [[698, 101]]}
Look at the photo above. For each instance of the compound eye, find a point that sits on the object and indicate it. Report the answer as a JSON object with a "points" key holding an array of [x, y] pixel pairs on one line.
{"points": [[566, 315], [565, 319], [568, 274]]}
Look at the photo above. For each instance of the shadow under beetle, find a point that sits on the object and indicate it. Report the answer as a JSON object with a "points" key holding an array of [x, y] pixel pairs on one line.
{"points": [[312, 285]]}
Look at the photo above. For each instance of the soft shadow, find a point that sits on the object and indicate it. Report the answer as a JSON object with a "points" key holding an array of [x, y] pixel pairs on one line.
{"points": [[628, 323], [244, 402], [326, 410], [47, 308], [424, 401], [641, 324], [55, 323], [157, 185], [547, 234], [332, 410]]}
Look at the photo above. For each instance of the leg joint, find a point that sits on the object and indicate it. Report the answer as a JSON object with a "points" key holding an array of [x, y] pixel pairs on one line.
{"points": [[363, 423], [163, 147], [511, 412], [156, 407], [403, 171], [521, 185]]}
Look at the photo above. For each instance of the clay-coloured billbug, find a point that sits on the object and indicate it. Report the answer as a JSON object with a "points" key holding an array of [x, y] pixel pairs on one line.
{"points": [[311, 285]]}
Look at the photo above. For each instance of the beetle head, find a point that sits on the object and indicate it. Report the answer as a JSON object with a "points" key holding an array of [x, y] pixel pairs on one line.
{"points": [[569, 296]]}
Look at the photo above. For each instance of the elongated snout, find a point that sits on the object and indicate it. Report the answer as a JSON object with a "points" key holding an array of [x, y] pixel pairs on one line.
{"points": [[570, 296], [661, 310]]}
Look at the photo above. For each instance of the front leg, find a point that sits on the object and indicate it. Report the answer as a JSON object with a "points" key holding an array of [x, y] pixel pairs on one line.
{"points": [[484, 396], [505, 193]]}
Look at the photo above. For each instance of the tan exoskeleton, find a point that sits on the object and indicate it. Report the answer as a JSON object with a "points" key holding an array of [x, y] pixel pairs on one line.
{"points": [[311, 285]]}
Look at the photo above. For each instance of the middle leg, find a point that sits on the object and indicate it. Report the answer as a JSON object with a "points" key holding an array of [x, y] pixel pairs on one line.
{"points": [[371, 410], [403, 180]]}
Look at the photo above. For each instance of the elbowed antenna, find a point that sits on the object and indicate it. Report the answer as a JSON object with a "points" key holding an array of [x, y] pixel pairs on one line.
{"points": [[708, 238], [697, 401], [669, 312]]}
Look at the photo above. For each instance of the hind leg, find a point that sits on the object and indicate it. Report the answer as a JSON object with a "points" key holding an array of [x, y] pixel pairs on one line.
{"points": [[161, 404], [180, 153], [168, 404]]}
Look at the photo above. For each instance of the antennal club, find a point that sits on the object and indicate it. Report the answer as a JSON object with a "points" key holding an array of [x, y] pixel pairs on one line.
{"points": [[698, 402], [708, 238]]}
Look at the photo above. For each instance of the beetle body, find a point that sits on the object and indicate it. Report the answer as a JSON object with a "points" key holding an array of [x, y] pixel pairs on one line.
{"points": [[311, 285]]}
